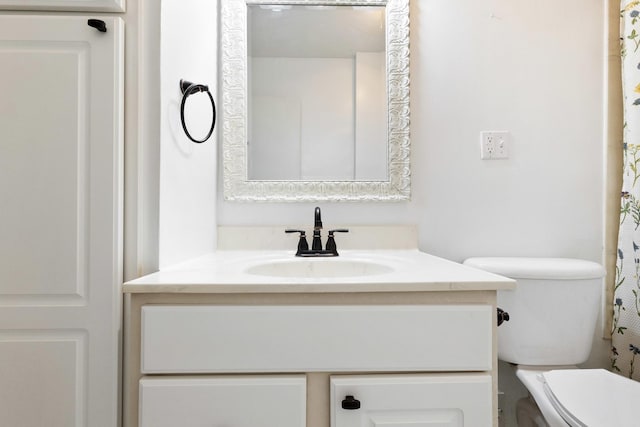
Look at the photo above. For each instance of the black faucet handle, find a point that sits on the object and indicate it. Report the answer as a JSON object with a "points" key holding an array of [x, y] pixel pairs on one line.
{"points": [[331, 241], [338, 230], [291, 230], [302, 243]]}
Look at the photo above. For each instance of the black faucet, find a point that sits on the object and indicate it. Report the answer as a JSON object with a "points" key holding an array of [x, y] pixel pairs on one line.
{"points": [[316, 244]]}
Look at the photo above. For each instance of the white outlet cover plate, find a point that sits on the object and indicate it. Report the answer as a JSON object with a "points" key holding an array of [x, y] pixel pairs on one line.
{"points": [[494, 145]]}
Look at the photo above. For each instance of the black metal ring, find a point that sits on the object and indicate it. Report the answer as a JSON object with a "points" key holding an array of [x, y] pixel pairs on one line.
{"points": [[190, 90]]}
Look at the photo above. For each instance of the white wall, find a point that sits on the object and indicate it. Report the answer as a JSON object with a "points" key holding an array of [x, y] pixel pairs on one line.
{"points": [[187, 170], [534, 69]]}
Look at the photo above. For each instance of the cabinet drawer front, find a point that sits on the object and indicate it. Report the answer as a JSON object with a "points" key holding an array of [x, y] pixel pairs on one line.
{"points": [[316, 338], [452, 400], [264, 401], [70, 5]]}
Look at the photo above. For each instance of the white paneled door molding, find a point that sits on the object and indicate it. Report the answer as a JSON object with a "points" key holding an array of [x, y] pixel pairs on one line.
{"points": [[61, 127]]}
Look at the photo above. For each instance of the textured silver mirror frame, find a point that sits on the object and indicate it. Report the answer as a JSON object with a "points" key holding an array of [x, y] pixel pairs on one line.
{"points": [[234, 114]]}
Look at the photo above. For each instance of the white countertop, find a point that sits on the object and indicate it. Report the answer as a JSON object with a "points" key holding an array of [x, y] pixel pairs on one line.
{"points": [[409, 271]]}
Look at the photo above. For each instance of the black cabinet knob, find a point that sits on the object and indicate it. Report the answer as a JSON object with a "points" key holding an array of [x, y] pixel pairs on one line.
{"points": [[503, 316], [350, 403]]}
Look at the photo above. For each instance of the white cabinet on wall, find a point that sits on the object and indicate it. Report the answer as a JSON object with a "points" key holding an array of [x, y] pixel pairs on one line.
{"points": [[61, 118], [71, 5]]}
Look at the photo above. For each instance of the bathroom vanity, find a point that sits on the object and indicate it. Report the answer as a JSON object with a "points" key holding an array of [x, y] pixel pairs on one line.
{"points": [[264, 339]]}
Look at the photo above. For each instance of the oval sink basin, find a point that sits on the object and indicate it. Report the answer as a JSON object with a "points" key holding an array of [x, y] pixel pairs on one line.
{"points": [[318, 268]]}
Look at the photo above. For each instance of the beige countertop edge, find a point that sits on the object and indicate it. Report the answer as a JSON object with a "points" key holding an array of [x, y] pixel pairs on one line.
{"points": [[238, 288]]}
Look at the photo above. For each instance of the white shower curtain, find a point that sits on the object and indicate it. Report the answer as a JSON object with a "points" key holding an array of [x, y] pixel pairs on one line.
{"points": [[626, 307]]}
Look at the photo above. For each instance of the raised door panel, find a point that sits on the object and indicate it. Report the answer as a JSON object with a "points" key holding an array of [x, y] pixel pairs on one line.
{"points": [[60, 222], [71, 5], [265, 401], [42, 378], [44, 166], [430, 400]]}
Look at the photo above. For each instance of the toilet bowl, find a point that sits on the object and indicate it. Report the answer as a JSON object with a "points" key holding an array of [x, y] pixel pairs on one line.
{"points": [[553, 313]]}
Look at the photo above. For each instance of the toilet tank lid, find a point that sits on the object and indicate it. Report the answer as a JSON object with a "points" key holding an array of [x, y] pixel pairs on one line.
{"points": [[539, 268]]}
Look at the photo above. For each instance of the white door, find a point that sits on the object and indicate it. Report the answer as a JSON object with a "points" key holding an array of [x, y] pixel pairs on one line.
{"points": [[431, 400], [259, 401], [61, 94]]}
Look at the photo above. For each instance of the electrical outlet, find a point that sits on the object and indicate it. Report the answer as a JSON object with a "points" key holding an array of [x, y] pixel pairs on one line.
{"points": [[494, 145]]}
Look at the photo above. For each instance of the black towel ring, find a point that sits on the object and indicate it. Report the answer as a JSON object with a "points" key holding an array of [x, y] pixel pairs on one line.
{"points": [[188, 89]]}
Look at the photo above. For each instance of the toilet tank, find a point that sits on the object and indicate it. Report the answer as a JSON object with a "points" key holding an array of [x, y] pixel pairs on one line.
{"points": [[553, 310]]}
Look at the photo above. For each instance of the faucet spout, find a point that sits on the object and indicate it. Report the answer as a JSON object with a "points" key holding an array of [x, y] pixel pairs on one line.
{"points": [[317, 219], [316, 243]]}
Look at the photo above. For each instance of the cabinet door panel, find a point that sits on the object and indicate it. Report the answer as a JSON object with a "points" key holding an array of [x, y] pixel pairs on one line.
{"points": [[266, 401], [71, 5], [443, 400], [60, 224]]}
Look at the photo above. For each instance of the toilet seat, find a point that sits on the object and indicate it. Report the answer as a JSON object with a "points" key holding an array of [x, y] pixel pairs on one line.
{"points": [[593, 397], [531, 377], [582, 397]]}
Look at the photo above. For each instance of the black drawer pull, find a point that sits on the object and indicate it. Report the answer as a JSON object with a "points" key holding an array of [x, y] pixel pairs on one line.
{"points": [[350, 403], [98, 24]]}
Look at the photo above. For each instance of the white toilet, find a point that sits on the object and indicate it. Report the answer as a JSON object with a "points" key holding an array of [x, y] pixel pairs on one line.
{"points": [[553, 314]]}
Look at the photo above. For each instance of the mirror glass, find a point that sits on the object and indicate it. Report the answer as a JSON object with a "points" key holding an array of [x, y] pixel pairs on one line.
{"points": [[315, 100], [317, 93]]}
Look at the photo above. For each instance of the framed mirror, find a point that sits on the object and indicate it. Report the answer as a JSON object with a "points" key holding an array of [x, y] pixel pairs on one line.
{"points": [[315, 100]]}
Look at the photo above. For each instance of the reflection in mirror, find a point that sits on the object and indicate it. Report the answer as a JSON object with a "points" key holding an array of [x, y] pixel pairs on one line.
{"points": [[315, 100], [317, 93]]}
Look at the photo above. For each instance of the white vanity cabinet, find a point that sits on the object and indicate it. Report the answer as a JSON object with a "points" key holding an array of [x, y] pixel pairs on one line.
{"points": [[426, 358]]}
